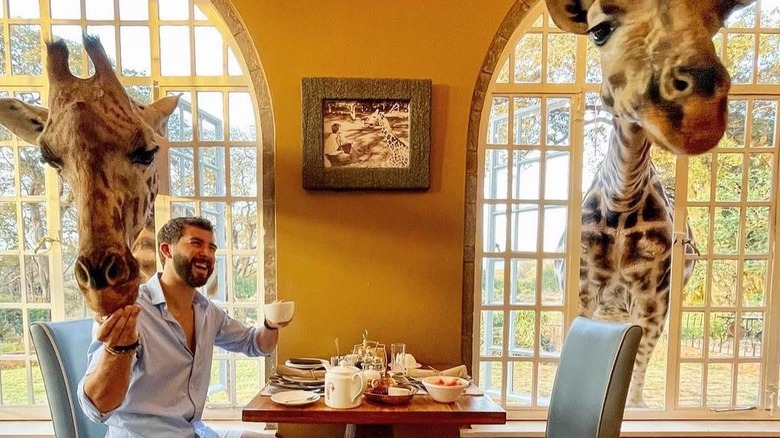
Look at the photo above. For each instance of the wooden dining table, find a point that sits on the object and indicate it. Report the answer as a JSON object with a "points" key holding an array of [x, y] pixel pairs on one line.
{"points": [[372, 419]]}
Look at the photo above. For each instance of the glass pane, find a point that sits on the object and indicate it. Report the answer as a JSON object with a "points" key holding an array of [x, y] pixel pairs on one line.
{"points": [[726, 230], [770, 14], [756, 227], [729, 177], [245, 279], [521, 380], [7, 186], [691, 375], [26, 50], [551, 333], [764, 121], [527, 121], [219, 389], [561, 56], [750, 333], [754, 282], [760, 177], [528, 59], [247, 316], [34, 224], [555, 221], [234, 67], [212, 171], [208, 51], [181, 209], [140, 93], [37, 279], [491, 333], [490, 379], [737, 58], [494, 222], [722, 334], [182, 171], [210, 119], [216, 213], [64, 8], [546, 379], [23, 9], [696, 287], [523, 333], [174, 9], [719, 384], [692, 335], [243, 171], [737, 122], [593, 73], [248, 380], [525, 226], [556, 175], [242, 117], [492, 281], [13, 377], [13, 331], [180, 122], [175, 50], [748, 384], [99, 10], [198, 15], [503, 73], [553, 277], [526, 175], [742, 18], [558, 122], [700, 173], [31, 172], [133, 10], [136, 54], [39, 391], [699, 219], [499, 121], [244, 230], [523, 281], [495, 174], [10, 283], [724, 284], [8, 226]]}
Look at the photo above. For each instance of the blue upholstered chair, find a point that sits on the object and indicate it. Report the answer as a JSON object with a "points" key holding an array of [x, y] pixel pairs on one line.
{"points": [[590, 389], [62, 353]]}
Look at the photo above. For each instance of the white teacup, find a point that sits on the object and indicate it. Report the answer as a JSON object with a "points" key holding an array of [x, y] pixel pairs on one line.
{"points": [[279, 313]]}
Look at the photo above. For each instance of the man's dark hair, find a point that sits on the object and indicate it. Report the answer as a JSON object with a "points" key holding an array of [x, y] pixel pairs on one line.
{"points": [[172, 231]]}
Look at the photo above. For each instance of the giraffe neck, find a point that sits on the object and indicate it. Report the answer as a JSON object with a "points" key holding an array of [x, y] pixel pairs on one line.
{"points": [[627, 170]]}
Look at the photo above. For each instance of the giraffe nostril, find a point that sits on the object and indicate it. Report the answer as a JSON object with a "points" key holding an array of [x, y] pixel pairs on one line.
{"points": [[82, 273], [112, 269]]}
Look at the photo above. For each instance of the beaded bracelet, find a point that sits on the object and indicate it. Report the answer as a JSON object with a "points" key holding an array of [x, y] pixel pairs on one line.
{"points": [[122, 350], [265, 323]]}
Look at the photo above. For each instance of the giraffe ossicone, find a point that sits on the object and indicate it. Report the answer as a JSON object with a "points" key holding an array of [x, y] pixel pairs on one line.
{"points": [[105, 145], [664, 85]]}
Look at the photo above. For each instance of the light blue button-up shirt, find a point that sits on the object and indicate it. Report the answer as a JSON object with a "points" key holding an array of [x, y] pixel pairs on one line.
{"points": [[168, 385]]}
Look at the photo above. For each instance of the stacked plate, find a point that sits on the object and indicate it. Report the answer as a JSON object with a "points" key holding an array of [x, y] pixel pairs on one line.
{"points": [[306, 363]]}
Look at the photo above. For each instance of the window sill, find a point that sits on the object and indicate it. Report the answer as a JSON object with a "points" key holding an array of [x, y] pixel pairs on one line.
{"points": [[44, 429], [533, 429]]}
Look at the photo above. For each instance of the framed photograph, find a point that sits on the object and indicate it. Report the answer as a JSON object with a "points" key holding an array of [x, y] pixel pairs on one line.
{"points": [[366, 133]]}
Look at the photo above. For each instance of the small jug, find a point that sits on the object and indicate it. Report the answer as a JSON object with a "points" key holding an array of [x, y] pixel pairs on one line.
{"points": [[343, 387]]}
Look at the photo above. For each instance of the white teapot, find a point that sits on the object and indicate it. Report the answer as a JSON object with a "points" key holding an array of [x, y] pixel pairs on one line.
{"points": [[343, 387]]}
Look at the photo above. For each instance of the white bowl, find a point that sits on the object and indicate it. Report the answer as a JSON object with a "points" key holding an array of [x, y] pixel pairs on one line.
{"points": [[279, 313], [445, 389]]}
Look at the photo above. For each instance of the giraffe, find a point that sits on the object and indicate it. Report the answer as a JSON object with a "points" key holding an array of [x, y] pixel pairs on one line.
{"points": [[105, 145], [399, 151], [664, 85]]}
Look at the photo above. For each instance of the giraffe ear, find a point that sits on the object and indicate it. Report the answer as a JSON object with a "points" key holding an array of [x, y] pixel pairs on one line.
{"points": [[570, 15], [22, 119], [158, 112]]}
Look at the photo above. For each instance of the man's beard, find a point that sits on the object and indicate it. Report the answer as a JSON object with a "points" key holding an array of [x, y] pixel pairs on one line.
{"points": [[184, 267]]}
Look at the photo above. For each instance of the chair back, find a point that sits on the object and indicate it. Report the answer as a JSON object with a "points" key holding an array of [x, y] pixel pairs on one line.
{"points": [[62, 352], [594, 373]]}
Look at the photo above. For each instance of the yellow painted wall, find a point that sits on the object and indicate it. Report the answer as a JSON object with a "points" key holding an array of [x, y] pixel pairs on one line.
{"points": [[389, 262]]}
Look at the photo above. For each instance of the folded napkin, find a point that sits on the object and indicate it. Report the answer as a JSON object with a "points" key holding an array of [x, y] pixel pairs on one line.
{"points": [[458, 371], [284, 370]]}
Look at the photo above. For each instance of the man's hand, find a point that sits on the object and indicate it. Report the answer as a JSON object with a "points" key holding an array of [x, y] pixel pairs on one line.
{"points": [[118, 329]]}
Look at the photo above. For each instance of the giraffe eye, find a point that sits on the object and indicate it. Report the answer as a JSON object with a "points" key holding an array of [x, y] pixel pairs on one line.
{"points": [[143, 156], [601, 32]]}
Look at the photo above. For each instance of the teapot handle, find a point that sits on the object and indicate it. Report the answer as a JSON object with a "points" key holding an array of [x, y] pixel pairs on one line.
{"points": [[360, 387]]}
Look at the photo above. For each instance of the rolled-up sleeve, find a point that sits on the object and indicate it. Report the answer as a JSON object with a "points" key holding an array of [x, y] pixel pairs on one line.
{"points": [[234, 336], [94, 354]]}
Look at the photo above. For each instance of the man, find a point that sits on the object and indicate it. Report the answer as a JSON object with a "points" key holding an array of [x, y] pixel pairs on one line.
{"points": [[335, 149], [150, 363]]}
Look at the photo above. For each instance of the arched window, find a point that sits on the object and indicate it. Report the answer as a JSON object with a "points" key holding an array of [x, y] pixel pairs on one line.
{"points": [[212, 168], [542, 135]]}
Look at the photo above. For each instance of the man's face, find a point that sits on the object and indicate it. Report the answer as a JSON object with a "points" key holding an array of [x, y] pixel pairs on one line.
{"points": [[193, 256]]}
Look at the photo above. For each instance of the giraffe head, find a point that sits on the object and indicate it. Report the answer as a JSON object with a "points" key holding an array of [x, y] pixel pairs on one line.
{"points": [[659, 64], [104, 144]]}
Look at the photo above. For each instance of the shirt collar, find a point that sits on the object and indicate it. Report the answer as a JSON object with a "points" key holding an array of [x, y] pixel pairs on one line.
{"points": [[158, 297]]}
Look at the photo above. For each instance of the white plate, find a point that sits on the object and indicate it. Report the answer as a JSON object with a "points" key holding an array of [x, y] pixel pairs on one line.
{"points": [[415, 366], [295, 398], [307, 366], [304, 380]]}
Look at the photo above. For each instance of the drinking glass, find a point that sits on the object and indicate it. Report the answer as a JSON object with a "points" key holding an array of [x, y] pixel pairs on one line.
{"points": [[398, 358]]}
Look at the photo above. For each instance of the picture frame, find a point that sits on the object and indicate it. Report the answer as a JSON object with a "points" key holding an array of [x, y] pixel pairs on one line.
{"points": [[370, 134]]}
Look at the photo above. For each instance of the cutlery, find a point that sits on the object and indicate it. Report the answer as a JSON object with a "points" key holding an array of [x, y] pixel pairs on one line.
{"points": [[302, 399]]}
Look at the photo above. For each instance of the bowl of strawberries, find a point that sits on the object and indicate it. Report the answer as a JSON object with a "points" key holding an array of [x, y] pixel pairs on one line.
{"points": [[445, 389]]}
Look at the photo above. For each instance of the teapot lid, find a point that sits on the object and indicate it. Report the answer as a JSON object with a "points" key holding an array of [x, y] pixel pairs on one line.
{"points": [[343, 369]]}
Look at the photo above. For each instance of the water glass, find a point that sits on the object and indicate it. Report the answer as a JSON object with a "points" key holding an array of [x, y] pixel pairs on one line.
{"points": [[398, 358]]}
